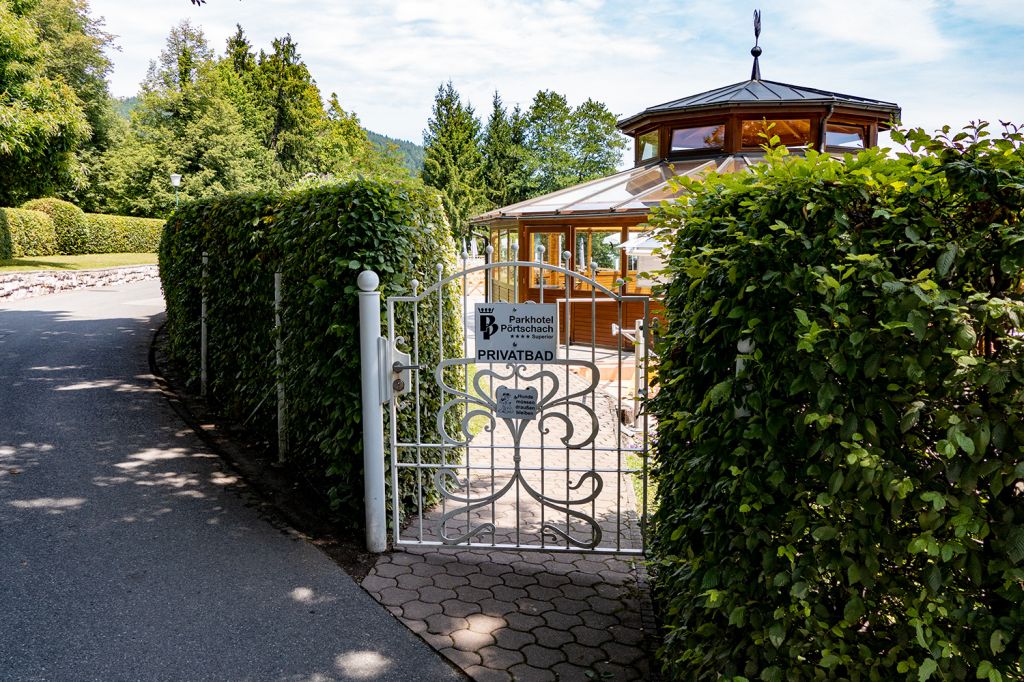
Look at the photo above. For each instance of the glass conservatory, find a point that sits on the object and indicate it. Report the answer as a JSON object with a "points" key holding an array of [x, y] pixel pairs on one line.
{"points": [[603, 221]]}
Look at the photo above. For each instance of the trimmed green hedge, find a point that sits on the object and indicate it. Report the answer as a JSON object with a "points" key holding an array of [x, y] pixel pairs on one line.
{"points": [[123, 234], [24, 232], [841, 418], [320, 239], [68, 221]]}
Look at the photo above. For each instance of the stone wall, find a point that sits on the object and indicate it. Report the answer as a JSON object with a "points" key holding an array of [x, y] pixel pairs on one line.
{"points": [[15, 285]]}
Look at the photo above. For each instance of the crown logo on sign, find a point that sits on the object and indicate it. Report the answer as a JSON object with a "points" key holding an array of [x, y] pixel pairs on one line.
{"points": [[486, 310]]}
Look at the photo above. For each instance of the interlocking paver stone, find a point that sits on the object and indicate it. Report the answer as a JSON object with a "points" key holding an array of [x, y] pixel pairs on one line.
{"points": [[541, 593], [528, 673], [481, 674], [508, 638], [376, 583], [395, 596], [519, 580], [583, 656], [561, 621], [552, 580], [552, 638], [597, 620], [435, 595], [570, 606], [440, 624], [450, 582], [385, 570], [499, 657], [472, 594], [620, 653], [467, 640], [484, 581], [485, 624], [605, 606], [463, 659], [542, 656], [457, 608], [591, 637], [523, 622], [630, 636], [410, 581], [533, 606], [497, 607], [419, 610], [508, 594]]}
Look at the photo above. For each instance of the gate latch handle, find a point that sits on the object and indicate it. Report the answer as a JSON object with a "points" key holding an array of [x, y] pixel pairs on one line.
{"points": [[399, 367]]}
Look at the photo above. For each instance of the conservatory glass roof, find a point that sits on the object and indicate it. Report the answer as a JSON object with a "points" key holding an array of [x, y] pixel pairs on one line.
{"points": [[636, 190]]}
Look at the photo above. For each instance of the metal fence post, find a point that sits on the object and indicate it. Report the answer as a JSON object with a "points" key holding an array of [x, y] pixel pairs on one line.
{"points": [[373, 411], [282, 406], [202, 328]]}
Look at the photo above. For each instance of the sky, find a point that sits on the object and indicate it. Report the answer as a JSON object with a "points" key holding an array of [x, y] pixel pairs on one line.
{"points": [[942, 61]]}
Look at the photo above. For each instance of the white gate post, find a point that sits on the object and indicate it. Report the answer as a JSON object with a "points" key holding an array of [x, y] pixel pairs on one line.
{"points": [[373, 411], [202, 328]]}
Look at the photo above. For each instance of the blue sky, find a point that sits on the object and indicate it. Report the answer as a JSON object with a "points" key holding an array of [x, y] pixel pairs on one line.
{"points": [[943, 61]]}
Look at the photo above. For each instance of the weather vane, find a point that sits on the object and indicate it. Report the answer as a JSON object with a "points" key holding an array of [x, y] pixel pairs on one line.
{"points": [[755, 73]]}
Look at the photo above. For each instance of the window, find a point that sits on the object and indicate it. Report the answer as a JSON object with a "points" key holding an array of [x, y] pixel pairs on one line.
{"points": [[701, 137], [648, 145], [792, 132], [847, 137], [642, 265], [599, 245], [554, 245]]}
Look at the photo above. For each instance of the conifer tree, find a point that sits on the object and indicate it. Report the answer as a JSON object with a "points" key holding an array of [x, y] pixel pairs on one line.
{"points": [[505, 171], [452, 163]]}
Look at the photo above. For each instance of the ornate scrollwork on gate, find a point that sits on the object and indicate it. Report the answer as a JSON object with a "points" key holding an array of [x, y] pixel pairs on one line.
{"points": [[549, 406]]}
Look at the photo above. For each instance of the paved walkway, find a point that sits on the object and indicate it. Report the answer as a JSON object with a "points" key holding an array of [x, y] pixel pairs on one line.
{"points": [[127, 552]]}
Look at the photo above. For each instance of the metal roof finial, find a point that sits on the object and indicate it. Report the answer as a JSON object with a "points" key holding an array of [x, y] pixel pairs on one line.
{"points": [[755, 73]]}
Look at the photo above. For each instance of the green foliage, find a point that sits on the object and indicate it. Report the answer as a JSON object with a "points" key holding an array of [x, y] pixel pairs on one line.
{"points": [[69, 222], [123, 234], [320, 239], [41, 119], [840, 471], [26, 233], [452, 158]]}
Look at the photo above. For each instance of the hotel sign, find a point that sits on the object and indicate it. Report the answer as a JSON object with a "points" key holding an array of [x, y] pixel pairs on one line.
{"points": [[516, 332]]}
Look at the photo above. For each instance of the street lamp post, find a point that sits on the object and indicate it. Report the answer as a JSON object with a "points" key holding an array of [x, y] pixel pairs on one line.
{"points": [[175, 183]]}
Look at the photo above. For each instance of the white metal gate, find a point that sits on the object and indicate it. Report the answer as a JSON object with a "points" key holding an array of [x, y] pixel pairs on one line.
{"points": [[504, 434]]}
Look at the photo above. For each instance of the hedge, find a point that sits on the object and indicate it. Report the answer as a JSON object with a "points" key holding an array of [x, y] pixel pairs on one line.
{"points": [[122, 234], [320, 239], [24, 232], [68, 221], [841, 450]]}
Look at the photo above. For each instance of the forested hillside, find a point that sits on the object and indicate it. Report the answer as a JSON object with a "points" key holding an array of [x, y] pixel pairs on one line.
{"points": [[408, 153]]}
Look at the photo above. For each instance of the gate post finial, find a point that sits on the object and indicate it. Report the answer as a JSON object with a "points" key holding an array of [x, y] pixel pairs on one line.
{"points": [[373, 411]]}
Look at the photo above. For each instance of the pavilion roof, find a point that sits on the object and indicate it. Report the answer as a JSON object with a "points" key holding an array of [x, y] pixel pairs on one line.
{"points": [[758, 94], [632, 191]]}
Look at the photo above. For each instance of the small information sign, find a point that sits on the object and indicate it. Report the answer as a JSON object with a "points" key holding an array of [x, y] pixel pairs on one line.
{"points": [[516, 403], [516, 332]]}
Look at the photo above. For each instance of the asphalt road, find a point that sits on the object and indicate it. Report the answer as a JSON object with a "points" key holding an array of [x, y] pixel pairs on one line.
{"points": [[125, 552]]}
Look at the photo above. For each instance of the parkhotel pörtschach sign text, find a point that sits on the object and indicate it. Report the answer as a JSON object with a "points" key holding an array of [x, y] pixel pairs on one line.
{"points": [[515, 332]]}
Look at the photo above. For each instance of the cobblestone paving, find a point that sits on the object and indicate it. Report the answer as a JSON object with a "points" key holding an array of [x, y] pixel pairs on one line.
{"points": [[521, 615]]}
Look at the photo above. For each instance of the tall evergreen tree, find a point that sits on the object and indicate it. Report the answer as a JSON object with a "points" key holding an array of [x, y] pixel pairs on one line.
{"points": [[505, 170], [291, 99], [452, 161]]}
